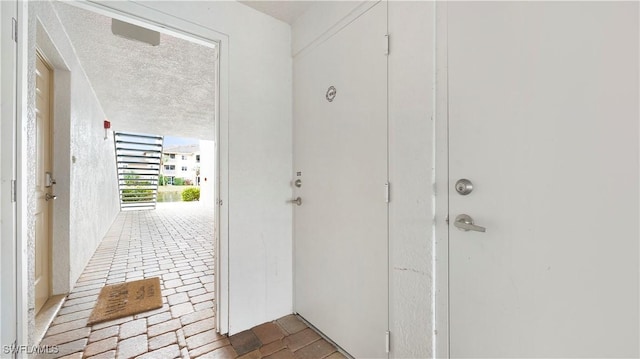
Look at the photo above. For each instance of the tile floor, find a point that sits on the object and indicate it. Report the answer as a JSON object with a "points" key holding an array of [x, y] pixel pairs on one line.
{"points": [[173, 242]]}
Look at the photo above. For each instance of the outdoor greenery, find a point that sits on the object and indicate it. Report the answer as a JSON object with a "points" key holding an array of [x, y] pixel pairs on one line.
{"points": [[135, 194], [191, 194], [177, 181], [171, 193]]}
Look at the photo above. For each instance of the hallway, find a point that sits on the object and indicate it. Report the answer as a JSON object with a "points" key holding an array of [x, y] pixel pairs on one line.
{"points": [[174, 242]]}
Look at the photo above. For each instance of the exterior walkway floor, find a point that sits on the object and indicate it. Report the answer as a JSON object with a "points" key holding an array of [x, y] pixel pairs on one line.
{"points": [[173, 242]]}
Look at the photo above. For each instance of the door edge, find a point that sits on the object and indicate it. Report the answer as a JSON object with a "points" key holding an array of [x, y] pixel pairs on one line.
{"points": [[441, 334]]}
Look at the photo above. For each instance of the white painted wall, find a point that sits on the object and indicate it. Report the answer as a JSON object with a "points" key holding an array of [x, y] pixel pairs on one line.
{"points": [[259, 149], [410, 157], [84, 162]]}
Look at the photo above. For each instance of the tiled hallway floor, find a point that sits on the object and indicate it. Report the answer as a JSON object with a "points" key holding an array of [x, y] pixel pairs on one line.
{"points": [[173, 242]]}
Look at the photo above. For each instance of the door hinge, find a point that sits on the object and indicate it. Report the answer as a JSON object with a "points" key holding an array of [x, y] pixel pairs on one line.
{"points": [[219, 202], [14, 29], [387, 192], [387, 341], [14, 190], [386, 44]]}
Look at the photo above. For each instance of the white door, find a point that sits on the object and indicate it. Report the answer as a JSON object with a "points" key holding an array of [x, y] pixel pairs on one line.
{"points": [[43, 185], [8, 238], [543, 118], [340, 158]]}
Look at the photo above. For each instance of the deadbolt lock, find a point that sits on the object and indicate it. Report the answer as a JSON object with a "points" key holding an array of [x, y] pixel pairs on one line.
{"points": [[464, 186]]}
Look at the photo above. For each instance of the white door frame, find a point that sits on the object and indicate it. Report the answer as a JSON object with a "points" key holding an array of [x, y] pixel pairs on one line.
{"points": [[441, 197], [20, 165], [142, 16]]}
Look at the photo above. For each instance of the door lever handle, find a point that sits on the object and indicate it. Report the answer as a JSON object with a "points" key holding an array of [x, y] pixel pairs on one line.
{"points": [[465, 223], [49, 196], [297, 201]]}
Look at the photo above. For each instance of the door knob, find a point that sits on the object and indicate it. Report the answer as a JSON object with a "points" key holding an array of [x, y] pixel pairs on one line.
{"points": [[464, 186], [465, 223], [297, 201], [49, 196]]}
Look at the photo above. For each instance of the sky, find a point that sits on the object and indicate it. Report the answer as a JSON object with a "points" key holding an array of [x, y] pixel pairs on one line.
{"points": [[178, 141]]}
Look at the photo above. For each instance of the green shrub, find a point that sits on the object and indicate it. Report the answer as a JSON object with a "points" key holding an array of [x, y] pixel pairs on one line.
{"points": [[191, 194], [178, 181]]}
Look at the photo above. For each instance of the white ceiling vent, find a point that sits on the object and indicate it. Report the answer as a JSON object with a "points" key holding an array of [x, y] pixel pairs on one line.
{"points": [[136, 33]]}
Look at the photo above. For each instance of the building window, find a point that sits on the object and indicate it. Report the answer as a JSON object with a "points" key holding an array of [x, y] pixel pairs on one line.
{"points": [[169, 167], [198, 158], [184, 157], [184, 168], [173, 155]]}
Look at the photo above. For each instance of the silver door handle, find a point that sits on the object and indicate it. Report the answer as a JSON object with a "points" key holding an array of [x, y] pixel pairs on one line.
{"points": [[49, 196], [297, 201], [465, 223]]}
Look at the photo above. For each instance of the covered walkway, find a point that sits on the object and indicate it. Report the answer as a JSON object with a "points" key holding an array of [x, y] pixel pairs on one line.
{"points": [[174, 242]]}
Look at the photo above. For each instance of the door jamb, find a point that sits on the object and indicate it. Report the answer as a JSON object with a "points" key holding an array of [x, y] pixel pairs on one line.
{"points": [[40, 54], [441, 340], [20, 161]]}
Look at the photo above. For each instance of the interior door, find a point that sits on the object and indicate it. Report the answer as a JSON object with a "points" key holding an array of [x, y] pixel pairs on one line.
{"points": [[340, 159], [8, 238], [543, 120], [43, 183]]}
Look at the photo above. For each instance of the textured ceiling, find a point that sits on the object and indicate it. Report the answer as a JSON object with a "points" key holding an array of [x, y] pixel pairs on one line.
{"points": [[166, 90], [287, 11]]}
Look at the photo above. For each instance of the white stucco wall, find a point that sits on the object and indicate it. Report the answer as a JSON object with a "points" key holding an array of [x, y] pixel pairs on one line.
{"points": [[410, 160], [259, 150], [84, 163]]}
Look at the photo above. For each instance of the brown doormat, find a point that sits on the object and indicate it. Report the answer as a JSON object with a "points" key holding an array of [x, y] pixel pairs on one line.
{"points": [[120, 300]]}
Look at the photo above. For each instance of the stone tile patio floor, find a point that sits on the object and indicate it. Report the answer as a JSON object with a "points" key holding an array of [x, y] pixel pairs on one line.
{"points": [[173, 242]]}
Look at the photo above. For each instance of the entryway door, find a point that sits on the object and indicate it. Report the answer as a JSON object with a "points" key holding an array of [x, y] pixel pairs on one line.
{"points": [[543, 121], [43, 183], [340, 164]]}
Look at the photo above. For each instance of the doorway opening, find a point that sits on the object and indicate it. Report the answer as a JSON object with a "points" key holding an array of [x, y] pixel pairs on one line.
{"points": [[131, 101]]}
